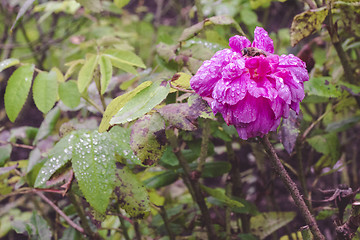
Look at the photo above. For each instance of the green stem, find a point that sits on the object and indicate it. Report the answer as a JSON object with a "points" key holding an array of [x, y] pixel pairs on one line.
{"points": [[200, 14], [196, 195], [81, 213], [301, 175], [166, 222], [123, 227], [292, 188], [204, 145], [137, 230]]}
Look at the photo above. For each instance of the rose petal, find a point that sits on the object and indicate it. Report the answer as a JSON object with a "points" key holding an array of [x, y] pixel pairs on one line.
{"points": [[231, 92], [238, 43], [210, 72], [262, 40]]}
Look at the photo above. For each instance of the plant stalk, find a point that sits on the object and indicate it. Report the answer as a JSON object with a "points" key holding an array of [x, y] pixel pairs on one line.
{"points": [[292, 188], [194, 184]]}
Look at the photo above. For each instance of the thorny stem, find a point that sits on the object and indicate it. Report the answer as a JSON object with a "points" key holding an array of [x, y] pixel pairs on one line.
{"points": [[194, 184], [292, 188]]}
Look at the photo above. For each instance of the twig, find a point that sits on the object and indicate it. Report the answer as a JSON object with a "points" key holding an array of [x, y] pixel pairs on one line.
{"points": [[348, 230], [17, 145], [292, 188], [58, 210], [181, 89]]}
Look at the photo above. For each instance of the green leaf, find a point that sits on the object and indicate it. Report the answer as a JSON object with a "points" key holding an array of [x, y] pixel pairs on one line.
{"points": [[8, 63], [17, 90], [58, 157], [161, 180], [121, 136], [265, 224], [72, 67], [131, 194], [327, 144], [215, 169], [40, 228], [86, 72], [48, 125], [92, 5], [5, 152], [93, 163], [126, 57], [148, 138], [343, 124], [27, 4], [169, 159], [219, 194], [69, 93], [118, 103], [142, 103], [45, 90], [106, 72], [121, 3], [321, 87], [306, 23]]}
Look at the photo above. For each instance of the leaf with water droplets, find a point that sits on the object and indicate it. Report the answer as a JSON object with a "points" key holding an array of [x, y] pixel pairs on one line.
{"points": [[121, 139], [58, 157], [148, 139], [94, 167], [17, 90], [142, 103], [131, 194], [8, 63]]}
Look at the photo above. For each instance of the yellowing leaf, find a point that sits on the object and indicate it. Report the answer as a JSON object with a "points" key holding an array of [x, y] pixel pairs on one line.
{"points": [[306, 23], [180, 80]]}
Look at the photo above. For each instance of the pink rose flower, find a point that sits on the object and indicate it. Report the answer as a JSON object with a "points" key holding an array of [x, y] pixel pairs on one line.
{"points": [[250, 86]]}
